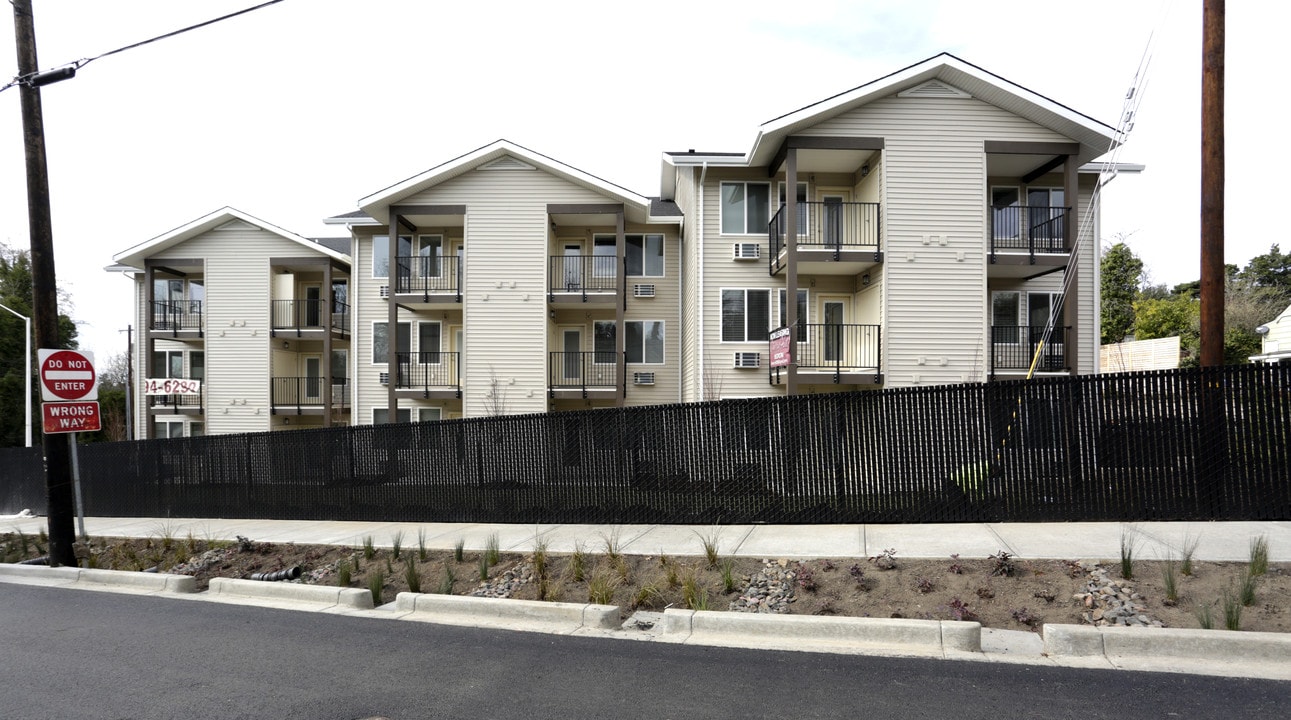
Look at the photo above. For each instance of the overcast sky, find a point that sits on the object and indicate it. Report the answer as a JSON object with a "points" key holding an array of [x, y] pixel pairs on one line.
{"points": [[294, 112]]}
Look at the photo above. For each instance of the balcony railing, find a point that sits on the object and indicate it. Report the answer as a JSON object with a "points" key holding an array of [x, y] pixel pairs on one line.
{"points": [[582, 274], [837, 227], [429, 371], [1031, 228], [176, 315], [308, 392], [308, 315], [1014, 346], [582, 371], [429, 275], [175, 402]]}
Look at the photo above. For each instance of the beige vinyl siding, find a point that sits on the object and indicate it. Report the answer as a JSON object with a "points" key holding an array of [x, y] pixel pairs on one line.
{"points": [[663, 306], [236, 315], [687, 200], [934, 178]]}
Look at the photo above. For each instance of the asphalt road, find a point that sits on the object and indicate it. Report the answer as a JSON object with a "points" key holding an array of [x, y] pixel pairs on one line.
{"points": [[71, 654]]}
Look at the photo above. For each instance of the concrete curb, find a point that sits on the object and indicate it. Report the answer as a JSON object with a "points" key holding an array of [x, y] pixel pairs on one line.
{"points": [[156, 582], [702, 626], [466, 610], [1117, 643], [353, 598]]}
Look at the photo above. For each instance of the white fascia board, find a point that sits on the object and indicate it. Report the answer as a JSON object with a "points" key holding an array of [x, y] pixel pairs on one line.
{"points": [[138, 253], [350, 222], [1096, 168]]}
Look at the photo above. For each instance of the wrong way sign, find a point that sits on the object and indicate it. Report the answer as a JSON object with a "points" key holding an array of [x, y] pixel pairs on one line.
{"points": [[67, 375], [70, 417]]}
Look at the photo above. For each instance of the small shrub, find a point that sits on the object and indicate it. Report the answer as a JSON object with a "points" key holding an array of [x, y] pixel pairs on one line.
{"points": [[369, 550], [447, 580], [540, 559], [648, 596], [421, 544], [1259, 564], [858, 575], [709, 542], [413, 576], [1003, 565], [459, 549], [1025, 617], [1190, 543], [1129, 544], [960, 610], [190, 543], [376, 583], [396, 544], [1246, 581], [886, 560], [827, 565], [728, 575], [482, 567], [578, 563], [343, 576], [805, 578], [1232, 611], [985, 592], [955, 568], [693, 595], [1205, 616], [492, 549], [923, 585], [1170, 582], [600, 589], [621, 567], [613, 545]]}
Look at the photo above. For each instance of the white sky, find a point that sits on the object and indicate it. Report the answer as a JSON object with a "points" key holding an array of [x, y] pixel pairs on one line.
{"points": [[294, 112]]}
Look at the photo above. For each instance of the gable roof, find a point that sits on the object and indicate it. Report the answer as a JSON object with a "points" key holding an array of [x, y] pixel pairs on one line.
{"points": [[377, 205], [134, 257]]}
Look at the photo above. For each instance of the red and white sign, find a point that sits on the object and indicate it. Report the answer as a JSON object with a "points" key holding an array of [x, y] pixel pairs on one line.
{"points": [[67, 375], [172, 386], [70, 417], [779, 347]]}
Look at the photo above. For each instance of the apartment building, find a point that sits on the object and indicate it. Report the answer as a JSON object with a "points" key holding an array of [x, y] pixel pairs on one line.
{"points": [[937, 225]]}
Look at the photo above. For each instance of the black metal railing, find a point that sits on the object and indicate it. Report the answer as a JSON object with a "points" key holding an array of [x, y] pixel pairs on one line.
{"points": [[582, 370], [340, 317], [837, 347], [429, 275], [176, 315], [583, 274], [1190, 444], [834, 227], [175, 402], [1031, 228], [308, 392], [1013, 347], [428, 370]]}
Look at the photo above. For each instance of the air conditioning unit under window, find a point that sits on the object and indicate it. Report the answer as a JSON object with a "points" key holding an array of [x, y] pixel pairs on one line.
{"points": [[748, 359], [385, 291], [747, 251], [643, 378], [643, 291], [385, 378]]}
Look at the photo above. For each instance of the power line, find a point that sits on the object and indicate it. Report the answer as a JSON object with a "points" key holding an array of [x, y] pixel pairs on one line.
{"points": [[68, 70]]}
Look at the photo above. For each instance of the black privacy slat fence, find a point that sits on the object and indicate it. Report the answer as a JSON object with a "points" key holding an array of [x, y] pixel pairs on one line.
{"points": [[1167, 445]]}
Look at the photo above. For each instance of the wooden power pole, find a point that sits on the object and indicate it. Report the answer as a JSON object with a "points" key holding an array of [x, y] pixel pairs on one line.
{"points": [[60, 505], [1212, 184]]}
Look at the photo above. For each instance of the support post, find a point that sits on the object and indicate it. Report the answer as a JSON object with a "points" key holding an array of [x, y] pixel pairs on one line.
{"points": [[791, 267]]}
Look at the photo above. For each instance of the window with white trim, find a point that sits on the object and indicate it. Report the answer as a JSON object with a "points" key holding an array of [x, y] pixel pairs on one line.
{"points": [[428, 342], [381, 253], [381, 415], [603, 335], [746, 315], [802, 209], [381, 342], [745, 207], [429, 414], [803, 305]]}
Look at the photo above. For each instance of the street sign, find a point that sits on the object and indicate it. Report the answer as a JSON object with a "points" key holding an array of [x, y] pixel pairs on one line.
{"points": [[70, 417], [67, 375], [779, 347]]}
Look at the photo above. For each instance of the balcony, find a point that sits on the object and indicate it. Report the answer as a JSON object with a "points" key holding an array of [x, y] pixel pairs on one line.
{"points": [[428, 279], [305, 317], [583, 375], [1026, 231], [1013, 349], [591, 280], [429, 374], [305, 395], [177, 318], [834, 238], [841, 354], [176, 404]]}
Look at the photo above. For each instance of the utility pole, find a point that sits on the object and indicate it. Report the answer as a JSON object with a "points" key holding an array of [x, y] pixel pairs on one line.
{"points": [[1212, 184], [60, 505]]}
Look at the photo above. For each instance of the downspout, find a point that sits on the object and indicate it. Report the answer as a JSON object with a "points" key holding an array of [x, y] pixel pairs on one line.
{"points": [[681, 301], [699, 286]]}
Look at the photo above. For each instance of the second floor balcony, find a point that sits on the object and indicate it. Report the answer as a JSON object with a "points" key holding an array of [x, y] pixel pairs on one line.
{"points": [[428, 278], [848, 354], [177, 317], [308, 395], [429, 374], [833, 238], [1029, 229], [584, 374], [189, 404], [588, 279], [304, 317]]}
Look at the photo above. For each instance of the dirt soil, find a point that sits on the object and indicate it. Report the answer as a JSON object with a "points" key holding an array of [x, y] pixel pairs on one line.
{"points": [[1037, 591]]}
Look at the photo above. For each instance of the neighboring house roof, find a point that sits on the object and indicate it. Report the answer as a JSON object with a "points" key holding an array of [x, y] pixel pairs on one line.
{"points": [[377, 205], [135, 256], [336, 244], [1096, 138], [1275, 344]]}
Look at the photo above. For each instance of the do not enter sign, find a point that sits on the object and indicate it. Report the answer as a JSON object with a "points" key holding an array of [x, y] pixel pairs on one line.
{"points": [[67, 375]]}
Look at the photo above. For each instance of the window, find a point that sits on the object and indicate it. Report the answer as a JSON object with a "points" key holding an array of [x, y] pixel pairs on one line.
{"points": [[340, 296], [645, 342], [645, 255], [380, 416], [803, 210], [428, 342], [167, 429], [1004, 316], [746, 315], [603, 342], [168, 291], [746, 208], [167, 364], [340, 366], [605, 258], [429, 414], [197, 365], [429, 250], [1041, 306], [380, 341], [803, 319], [197, 429], [381, 253]]}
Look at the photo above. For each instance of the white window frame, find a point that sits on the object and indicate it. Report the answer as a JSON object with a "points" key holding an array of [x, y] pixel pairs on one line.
{"points": [[375, 323], [612, 352], [782, 314], [417, 247], [721, 321], [804, 220], [421, 414], [721, 207], [663, 343], [399, 412], [385, 240], [439, 352]]}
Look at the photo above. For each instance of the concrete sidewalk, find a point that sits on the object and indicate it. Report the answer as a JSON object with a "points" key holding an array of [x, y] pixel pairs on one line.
{"points": [[1217, 541]]}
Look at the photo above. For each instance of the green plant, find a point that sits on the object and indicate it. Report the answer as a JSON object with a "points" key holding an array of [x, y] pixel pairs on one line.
{"points": [[413, 576], [1259, 564], [1190, 543], [621, 567], [690, 590], [670, 575], [376, 583], [492, 549], [709, 541], [343, 577], [540, 558], [1232, 610], [459, 549], [191, 543], [1205, 616], [648, 596], [613, 545], [1129, 544], [389, 566], [482, 567], [600, 589], [578, 563], [369, 550], [728, 575], [396, 544], [421, 544], [447, 580], [1246, 581], [1170, 581]]}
